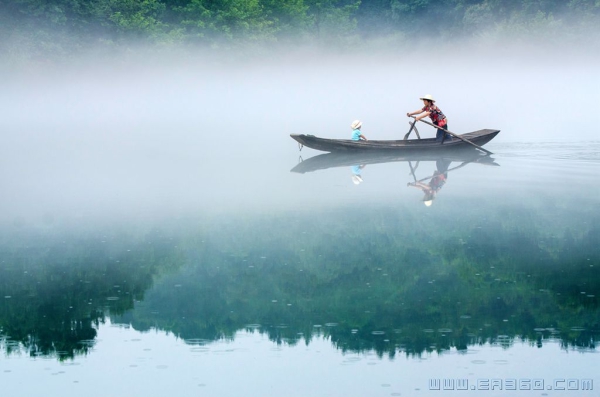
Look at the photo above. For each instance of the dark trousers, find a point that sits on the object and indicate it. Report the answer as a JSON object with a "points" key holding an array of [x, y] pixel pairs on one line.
{"points": [[440, 135]]}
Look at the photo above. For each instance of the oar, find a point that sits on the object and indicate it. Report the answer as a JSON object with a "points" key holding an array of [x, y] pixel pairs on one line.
{"points": [[411, 128], [417, 132], [456, 136]]}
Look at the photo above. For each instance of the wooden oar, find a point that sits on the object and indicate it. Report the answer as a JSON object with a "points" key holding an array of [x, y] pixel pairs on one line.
{"points": [[417, 132], [412, 125], [456, 136]]}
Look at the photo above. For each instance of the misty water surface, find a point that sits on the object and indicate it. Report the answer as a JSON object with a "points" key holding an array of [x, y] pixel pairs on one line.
{"points": [[153, 234], [181, 134]]}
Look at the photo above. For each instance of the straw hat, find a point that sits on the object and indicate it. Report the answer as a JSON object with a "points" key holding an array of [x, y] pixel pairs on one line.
{"points": [[355, 125], [428, 97]]}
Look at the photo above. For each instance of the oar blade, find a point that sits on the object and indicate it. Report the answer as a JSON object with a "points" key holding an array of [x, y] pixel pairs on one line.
{"points": [[412, 125]]}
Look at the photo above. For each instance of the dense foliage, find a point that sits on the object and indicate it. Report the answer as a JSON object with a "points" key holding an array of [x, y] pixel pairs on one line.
{"points": [[67, 25]]}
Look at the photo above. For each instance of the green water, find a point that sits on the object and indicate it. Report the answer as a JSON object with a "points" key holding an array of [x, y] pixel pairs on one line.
{"points": [[309, 284]]}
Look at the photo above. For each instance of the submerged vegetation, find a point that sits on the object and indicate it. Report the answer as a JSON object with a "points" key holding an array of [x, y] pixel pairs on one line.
{"points": [[57, 27]]}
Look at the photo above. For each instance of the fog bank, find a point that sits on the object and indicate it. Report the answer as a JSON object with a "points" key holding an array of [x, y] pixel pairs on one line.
{"points": [[141, 134]]}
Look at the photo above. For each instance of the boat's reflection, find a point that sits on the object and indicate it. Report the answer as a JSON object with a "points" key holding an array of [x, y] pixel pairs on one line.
{"points": [[350, 159], [429, 185]]}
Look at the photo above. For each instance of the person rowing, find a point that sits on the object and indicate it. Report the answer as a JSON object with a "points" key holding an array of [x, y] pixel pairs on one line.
{"points": [[437, 117]]}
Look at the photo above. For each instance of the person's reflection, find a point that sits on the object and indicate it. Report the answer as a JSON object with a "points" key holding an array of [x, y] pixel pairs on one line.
{"points": [[356, 174], [437, 181]]}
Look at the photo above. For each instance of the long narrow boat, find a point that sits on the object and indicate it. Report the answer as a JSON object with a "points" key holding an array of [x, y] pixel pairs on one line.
{"points": [[350, 158], [479, 138]]}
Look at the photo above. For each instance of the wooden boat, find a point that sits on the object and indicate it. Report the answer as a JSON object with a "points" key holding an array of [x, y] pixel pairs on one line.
{"points": [[479, 138], [351, 158]]}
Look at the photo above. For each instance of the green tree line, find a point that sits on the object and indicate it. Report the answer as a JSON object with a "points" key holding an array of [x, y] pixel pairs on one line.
{"points": [[74, 24]]}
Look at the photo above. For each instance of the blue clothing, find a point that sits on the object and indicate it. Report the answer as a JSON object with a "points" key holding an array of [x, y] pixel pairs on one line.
{"points": [[440, 135], [356, 135]]}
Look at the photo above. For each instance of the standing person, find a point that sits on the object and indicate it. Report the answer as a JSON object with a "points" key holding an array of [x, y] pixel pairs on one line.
{"points": [[356, 134], [436, 115]]}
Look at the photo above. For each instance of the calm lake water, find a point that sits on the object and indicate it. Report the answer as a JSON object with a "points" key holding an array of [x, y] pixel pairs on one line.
{"points": [[226, 274]]}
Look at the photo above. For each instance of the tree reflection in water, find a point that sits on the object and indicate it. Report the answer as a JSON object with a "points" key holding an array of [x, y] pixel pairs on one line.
{"points": [[384, 279], [378, 280]]}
